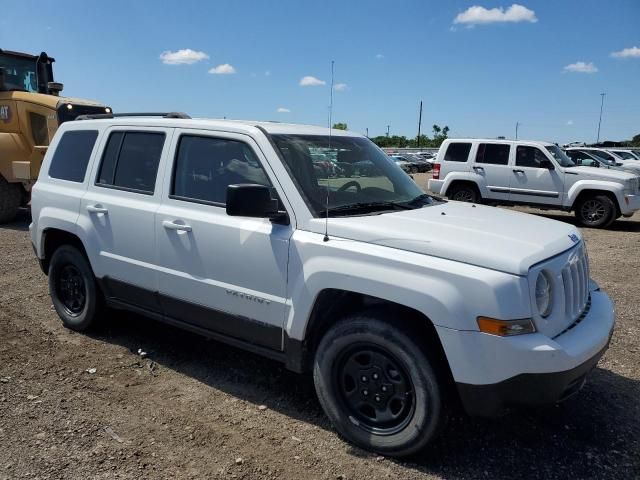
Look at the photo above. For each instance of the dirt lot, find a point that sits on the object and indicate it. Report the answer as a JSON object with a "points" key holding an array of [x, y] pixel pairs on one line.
{"points": [[194, 408]]}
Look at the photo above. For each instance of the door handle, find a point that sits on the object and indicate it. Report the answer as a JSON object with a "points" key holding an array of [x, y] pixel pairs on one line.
{"points": [[97, 209], [517, 170], [176, 226], [478, 169]]}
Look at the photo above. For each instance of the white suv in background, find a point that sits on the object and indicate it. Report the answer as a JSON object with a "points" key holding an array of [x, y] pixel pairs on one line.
{"points": [[396, 302], [532, 173]]}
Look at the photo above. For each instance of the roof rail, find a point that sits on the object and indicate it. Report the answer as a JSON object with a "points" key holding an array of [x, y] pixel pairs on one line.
{"points": [[143, 114]]}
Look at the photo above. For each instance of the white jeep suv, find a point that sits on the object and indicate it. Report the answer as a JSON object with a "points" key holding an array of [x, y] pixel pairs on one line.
{"points": [[532, 173], [398, 303]]}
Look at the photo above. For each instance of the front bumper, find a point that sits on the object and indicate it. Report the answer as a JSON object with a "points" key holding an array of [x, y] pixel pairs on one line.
{"points": [[493, 373], [629, 204]]}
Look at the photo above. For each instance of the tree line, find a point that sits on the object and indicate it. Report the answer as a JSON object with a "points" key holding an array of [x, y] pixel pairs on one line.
{"points": [[439, 135]]}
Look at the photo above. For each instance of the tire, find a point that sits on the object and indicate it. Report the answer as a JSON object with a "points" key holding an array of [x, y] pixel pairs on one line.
{"points": [[10, 199], [364, 345], [74, 290], [597, 211], [463, 192]]}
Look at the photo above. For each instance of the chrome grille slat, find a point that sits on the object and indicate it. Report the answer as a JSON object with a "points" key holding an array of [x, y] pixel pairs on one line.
{"points": [[575, 279]]}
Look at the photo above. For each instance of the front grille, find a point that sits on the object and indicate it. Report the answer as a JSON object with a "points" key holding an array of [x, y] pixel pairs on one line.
{"points": [[575, 279]]}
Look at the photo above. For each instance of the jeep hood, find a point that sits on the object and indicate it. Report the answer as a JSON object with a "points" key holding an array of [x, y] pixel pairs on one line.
{"points": [[488, 237], [607, 174]]}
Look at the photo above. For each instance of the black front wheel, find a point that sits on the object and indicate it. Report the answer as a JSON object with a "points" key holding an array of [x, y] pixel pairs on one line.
{"points": [[378, 386], [73, 289], [463, 193]]}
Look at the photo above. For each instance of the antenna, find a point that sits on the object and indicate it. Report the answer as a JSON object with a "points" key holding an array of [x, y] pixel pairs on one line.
{"points": [[326, 218]]}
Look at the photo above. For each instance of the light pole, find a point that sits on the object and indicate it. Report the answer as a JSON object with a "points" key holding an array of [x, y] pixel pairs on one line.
{"points": [[419, 123], [517, 125], [600, 120], [367, 132], [388, 130]]}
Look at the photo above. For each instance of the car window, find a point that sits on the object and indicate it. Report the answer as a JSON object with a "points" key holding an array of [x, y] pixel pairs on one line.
{"points": [[529, 156], [130, 161], [205, 166], [603, 154], [72, 155], [493, 153], [457, 152]]}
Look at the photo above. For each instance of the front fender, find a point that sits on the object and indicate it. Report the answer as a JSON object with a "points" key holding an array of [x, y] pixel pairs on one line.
{"points": [[451, 294], [581, 185]]}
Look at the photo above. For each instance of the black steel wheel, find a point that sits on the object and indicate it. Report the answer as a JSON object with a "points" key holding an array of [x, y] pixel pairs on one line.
{"points": [[463, 193], [375, 388], [378, 386], [73, 289]]}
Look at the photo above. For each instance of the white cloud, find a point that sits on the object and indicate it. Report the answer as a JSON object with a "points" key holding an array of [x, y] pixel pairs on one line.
{"points": [[310, 81], [223, 69], [480, 15], [185, 56], [569, 122], [633, 52], [340, 87], [581, 67], [379, 56], [283, 110]]}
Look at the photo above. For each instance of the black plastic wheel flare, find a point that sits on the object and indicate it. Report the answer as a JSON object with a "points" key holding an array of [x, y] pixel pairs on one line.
{"points": [[375, 389], [71, 290]]}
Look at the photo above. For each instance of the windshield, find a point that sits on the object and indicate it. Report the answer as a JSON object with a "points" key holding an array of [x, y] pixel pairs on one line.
{"points": [[353, 171], [624, 155], [560, 156], [19, 73]]}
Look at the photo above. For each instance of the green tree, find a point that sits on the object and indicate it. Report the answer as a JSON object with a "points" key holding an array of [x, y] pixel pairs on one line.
{"points": [[635, 141], [340, 126]]}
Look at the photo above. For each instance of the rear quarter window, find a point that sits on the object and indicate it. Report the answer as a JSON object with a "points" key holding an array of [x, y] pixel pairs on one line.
{"points": [[72, 155], [457, 152]]}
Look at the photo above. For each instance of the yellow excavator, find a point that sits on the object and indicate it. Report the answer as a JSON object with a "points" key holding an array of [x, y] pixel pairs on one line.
{"points": [[31, 109]]}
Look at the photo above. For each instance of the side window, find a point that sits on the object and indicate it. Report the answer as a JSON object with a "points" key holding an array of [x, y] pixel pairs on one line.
{"points": [[529, 156], [457, 152], [130, 161], [39, 130], [205, 166], [72, 155], [493, 153]]}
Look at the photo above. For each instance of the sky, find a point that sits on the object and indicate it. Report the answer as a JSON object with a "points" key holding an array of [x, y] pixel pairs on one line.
{"points": [[479, 66]]}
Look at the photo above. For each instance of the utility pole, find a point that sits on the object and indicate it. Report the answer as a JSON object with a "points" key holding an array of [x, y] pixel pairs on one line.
{"points": [[419, 123], [600, 120], [367, 132], [517, 125], [388, 130]]}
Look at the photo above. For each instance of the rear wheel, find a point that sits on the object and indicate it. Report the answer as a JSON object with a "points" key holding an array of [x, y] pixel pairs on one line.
{"points": [[377, 386], [73, 289], [10, 198], [463, 192], [597, 211]]}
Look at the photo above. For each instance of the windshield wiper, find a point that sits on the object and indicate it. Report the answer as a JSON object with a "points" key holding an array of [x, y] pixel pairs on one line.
{"points": [[420, 200], [365, 207]]}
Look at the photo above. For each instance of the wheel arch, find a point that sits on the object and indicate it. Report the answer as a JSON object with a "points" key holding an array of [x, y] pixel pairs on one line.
{"points": [[52, 239], [591, 192]]}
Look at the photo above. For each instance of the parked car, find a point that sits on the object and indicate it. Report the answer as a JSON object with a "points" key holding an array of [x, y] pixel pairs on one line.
{"points": [[404, 164], [419, 162], [396, 302], [626, 154], [533, 173], [590, 158]]}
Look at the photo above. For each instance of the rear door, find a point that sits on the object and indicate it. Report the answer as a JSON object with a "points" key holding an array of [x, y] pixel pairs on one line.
{"points": [[118, 212], [532, 183], [491, 163]]}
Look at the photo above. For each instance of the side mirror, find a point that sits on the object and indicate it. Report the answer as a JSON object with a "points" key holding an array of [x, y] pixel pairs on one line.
{"points": [[546, 163], [251, 200]]}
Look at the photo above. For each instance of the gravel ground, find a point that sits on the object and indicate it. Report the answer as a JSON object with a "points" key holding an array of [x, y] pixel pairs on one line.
{"points": [[89, 406]]}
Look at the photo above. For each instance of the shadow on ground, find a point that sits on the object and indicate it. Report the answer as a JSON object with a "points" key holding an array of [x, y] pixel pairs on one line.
{"points": [[595, 434]]}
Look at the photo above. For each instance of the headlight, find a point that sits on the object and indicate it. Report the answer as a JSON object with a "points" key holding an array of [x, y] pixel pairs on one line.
{"points": [[543, 294]]}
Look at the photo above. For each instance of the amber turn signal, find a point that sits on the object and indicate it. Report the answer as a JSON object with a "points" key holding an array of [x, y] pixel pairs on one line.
{"points": [[505, 328]]}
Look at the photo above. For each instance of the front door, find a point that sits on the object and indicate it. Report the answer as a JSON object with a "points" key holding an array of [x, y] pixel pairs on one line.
{"points": [[220, 273], [533, 183]]}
